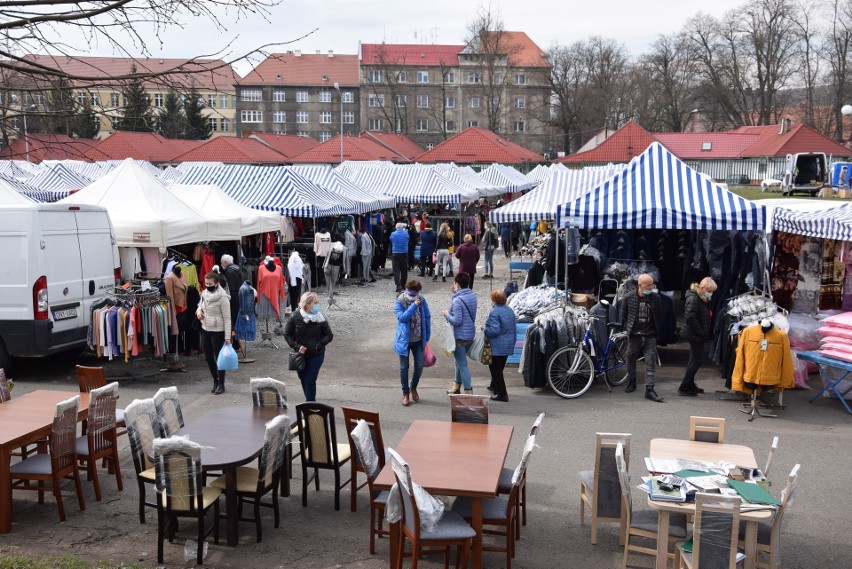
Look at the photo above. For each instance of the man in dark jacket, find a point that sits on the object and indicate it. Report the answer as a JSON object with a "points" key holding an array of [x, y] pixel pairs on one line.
{"points": [[234, 280], [428, 240], [468, 255], [640, 316]]}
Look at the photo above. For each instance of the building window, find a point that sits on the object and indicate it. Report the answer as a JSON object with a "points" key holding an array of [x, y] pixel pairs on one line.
{"points": [[375, 124], [233, 101], [279, 132], [377, 100], [301, 133], [36, 98], [158, 99], [279, 116], [495, 101], [251, 116], [450, 102], [96, 99], [324, 136], [113, 99], [450, 77], [497, 78], [521, 103], [377, 75], [400, 101], [226, 124], [398, 125], [302, 97], [473, 77], [211, 101], [429, 146], [422, 125], [422, 101], [279, 96], [251, 95], [348, 97], [81, 98], [325, 117], [520, 126], [401, 77], [450, 126], [302, 117], [472, 123], [422, 76], [475, 102], [223, 101], [325, 96], [520, 79], [214, 124], [348, 117]]}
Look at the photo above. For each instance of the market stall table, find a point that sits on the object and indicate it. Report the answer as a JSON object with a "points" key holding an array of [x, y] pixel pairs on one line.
{"points": [[452, 459], [25, 420], [823, 362]]}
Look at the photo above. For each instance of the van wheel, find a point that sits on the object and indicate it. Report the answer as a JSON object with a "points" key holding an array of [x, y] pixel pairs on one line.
{"points": [[4, 357]]}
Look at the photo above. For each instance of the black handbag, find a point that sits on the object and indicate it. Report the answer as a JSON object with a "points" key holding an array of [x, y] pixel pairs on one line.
{"points": [[297, 361]]}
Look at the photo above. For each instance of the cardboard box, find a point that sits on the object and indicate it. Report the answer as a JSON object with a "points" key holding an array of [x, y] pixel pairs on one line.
{"points": [[844, 194]]}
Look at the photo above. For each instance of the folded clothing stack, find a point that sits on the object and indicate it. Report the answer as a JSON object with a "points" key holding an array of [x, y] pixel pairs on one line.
{"points": [[836, 335]]}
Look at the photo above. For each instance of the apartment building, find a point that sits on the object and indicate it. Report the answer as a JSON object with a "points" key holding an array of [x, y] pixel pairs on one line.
{"points": [[301, 94]]}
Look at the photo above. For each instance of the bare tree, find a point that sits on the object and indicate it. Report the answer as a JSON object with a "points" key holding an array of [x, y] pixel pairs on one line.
{"points": [[809, 37], [838, 52], [669, 75]]}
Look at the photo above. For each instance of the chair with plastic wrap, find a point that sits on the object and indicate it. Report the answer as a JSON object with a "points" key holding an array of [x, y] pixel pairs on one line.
{"points": [[181, 492], [60, 460], [254, 483], [504, 486], [771, 456], [600, 488], [362, 440], [319, 447], [168, 408], [707, 429], [642, 523], [501, 512], [469, 408], [269, 392], [714, 534], [89, 378], [769, 535], [5, 394], [351, 416], [142, 428], [423, 521], [99, 442]]}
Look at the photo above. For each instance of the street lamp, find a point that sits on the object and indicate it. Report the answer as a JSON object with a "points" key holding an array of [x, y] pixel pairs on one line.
{"points": [[340, 96], [26, 136]]}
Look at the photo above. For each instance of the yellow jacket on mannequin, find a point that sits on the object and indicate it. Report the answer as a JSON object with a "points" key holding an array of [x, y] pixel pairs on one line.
{"points": [[772, 366]]}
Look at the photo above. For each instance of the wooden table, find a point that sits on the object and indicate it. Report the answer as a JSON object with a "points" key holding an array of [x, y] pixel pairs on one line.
{"points": [[453, 459], [234, 436], [25, 420], [707, 452]]}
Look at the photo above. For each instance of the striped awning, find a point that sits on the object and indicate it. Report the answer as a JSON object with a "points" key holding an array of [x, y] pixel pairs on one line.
{"points": [[326, 177], [33, 193], [507, 178], [467, 180], [658, 191], [832, 223], [418, 183], [59, 180]]}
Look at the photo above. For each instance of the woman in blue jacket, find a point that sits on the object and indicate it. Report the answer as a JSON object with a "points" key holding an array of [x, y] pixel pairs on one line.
{"points": [[413, 329], [462, 316], [500, 329]]}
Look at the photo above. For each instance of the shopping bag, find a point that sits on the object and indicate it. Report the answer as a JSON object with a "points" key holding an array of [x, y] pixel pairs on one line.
{"points": [[449, 340], [485, 358], [227, 360], [475, 350], [429, 358]]}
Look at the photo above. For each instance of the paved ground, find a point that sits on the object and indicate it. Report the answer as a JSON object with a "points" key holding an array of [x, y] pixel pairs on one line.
{"points": [[361, 370]]}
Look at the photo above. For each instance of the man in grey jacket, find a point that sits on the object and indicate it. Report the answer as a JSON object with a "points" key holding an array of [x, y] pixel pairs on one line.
{"points": [[640, 316]]}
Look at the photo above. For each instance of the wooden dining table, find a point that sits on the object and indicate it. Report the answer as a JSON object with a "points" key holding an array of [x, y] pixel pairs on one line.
{"points": [[452, 459], [231, 437], [25, 420], [706, 452]]}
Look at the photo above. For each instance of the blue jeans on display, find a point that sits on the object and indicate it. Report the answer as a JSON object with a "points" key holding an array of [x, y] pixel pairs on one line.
{"points": [[462, 371], [489, 261], [415, 348], [308, 376]]}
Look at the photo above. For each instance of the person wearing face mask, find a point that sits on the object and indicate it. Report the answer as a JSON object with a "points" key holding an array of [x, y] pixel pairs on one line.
{"points": [[214, 312], [413, 329], [640, 316], [696, 330], [308, 333], [462, 317]]}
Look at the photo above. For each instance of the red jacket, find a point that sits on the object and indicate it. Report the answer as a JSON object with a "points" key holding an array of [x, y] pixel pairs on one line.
{"points": [[468, 255]]}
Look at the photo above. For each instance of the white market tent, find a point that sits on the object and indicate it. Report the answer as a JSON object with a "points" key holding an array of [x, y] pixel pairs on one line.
{"points": [[9, 194], [213, 203], [658, 191]]}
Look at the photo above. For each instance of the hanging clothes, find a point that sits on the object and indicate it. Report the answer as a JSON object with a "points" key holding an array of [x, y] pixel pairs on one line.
{"points": [[207, 263], [271, 292], [763, 358], [246, 323]]}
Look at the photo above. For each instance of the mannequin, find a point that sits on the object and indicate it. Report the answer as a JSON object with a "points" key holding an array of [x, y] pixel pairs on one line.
{"points": [[333, 262], [322, 242], [351, 244], [271, 293], [295, 268], [764, 362], [245, 326]]}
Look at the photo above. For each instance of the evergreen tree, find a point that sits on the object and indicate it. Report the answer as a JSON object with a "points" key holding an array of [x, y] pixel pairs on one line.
{"points": [[86, 123], [136, 114], [171, 122], [197, 125], [58, 108]]}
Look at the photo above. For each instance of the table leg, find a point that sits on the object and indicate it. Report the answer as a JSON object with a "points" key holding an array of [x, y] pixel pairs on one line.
{"points": [[750, 545], [5, 492], [231, 507], [662, 540], [476, 524]]}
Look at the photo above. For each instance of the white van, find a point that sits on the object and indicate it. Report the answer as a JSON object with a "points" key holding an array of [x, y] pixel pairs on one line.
{"points": [[56, 261]]}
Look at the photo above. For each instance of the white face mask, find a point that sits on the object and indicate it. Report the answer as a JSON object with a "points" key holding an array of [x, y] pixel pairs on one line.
{"points": [[708, 295]]}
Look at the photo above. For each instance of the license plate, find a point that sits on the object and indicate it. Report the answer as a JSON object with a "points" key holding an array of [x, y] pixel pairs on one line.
{"points": [[65, 314]]}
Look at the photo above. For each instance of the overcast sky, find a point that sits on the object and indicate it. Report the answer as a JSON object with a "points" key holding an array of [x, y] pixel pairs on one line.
{"points": [[341, 24]]}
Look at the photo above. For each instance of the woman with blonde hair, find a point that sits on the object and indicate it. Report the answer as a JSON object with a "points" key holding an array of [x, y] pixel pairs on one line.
{"points": [[443, 244], [308, 333], [696, 330]]}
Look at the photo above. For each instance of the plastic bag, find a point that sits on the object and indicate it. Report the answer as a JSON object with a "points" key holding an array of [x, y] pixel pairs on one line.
{"points": [[429, 358], [227, 360], [475, 350], [431, 509], [449, 340]]}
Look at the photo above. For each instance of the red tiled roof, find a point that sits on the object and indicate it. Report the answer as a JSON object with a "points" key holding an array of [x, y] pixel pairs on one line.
{"points": [[800, 138], [286, 144], [523, 52], [139, 146], [304, 70], [399, 143], [622, 146], [356, 148], [691, 145], [476, 146], [232, 150], [410, 54], [212, 74], [48, 147]]}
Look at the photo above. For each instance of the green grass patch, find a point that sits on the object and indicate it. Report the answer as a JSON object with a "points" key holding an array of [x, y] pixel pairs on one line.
{"points": [[64, 562], [753, 194]]}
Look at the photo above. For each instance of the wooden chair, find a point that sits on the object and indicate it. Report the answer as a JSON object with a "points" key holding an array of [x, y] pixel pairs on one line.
{"points": [[319, 447], [167, 403], [769, 535], [707, 429], [469, 408], [501, 512], [771, 456], [504, 486], [89, 378], [451, 530], [59, 462], [642, 523], [99, 442], [181, 492], [714, 534], [142, 428], [5, 394], [269, 392], [600, 488], [254, 483], [361, 439], [351, 416]]}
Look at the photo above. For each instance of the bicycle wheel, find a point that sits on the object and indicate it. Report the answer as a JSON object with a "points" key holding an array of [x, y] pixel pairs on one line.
{"points": [[570, 372], [616, 362]]}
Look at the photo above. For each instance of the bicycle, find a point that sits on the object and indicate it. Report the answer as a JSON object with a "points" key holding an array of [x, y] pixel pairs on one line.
{"points": [[572, 369]]}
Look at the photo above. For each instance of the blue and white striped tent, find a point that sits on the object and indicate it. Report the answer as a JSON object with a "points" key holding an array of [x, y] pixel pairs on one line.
{"points": [[658, 191], [831, 223], [326, 177], [564, 185], [467, 180], [507, 178], [89, 170], [10, 194], [373, 175], [58, 180], [422, 184], [17, 169], [25, 189]]}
